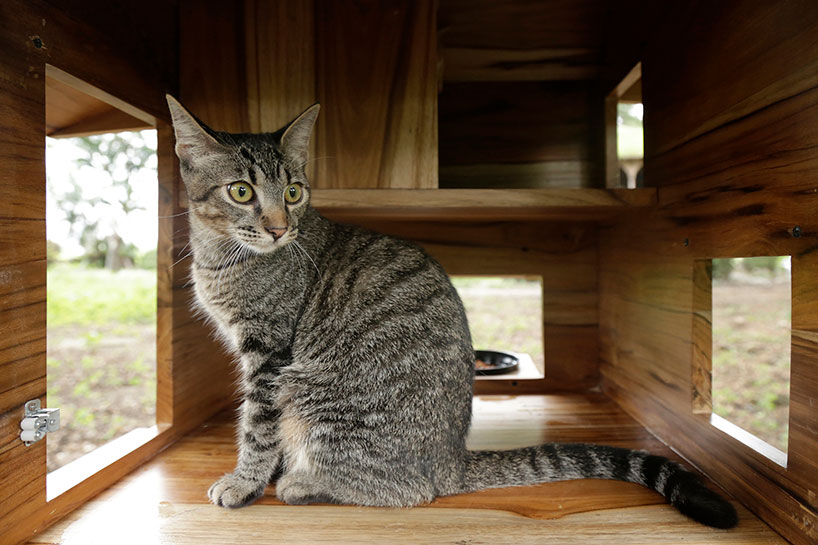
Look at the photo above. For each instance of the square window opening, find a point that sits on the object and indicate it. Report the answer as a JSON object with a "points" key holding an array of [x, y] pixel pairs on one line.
{"points": [[505, 314]]}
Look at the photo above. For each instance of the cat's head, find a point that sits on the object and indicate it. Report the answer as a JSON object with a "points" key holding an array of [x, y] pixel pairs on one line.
{"points": [[245, 188]]}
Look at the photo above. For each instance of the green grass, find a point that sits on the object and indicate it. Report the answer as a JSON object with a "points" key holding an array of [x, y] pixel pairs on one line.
{"points": [[84, 296]]}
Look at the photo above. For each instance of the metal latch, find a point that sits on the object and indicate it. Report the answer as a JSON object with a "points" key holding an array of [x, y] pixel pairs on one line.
{"points": [[37, 422]]}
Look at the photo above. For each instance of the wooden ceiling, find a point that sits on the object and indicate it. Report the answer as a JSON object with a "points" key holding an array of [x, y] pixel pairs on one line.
{"points": [[69, 112], [525, 40]]}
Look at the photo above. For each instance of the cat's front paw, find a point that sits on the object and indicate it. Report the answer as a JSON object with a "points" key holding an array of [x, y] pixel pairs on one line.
{"points": [[233, 491]]}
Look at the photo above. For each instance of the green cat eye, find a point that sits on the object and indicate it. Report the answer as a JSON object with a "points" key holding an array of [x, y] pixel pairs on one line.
{"points": [[241, 192], [293, 193]]}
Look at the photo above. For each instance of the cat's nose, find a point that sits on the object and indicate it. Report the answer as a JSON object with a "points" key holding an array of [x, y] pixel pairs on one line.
{"points": [[277, 232]]}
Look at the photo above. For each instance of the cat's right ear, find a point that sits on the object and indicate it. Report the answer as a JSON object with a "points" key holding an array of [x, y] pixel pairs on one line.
{"points": [[193, 141]]}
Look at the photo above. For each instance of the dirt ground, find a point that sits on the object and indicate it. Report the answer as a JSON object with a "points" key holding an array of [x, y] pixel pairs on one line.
{"points": [[751, 357], [103, 379]]}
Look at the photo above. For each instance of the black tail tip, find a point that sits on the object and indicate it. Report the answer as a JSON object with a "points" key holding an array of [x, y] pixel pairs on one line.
{"points": [[707, 507]]}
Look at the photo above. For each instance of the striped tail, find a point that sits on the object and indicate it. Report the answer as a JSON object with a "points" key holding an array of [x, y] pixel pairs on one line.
{"points": [[567, 461]]}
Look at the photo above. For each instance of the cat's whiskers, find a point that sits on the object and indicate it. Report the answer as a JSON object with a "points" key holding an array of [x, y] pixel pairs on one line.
{"points": [[306, 253]]}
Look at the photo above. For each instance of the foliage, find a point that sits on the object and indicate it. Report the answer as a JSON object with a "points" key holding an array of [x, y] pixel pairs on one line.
{"points": [[95, 220]]}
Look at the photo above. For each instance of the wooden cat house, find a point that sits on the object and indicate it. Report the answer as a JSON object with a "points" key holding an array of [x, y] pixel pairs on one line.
{"points": [[486, 132]]}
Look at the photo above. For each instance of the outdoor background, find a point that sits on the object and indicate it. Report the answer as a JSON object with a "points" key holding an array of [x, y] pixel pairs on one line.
{"points": [[751, 345], [101, 222]]}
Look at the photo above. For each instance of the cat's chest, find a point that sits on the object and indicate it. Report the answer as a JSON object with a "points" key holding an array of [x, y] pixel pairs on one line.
{"points": [[248, 301]]}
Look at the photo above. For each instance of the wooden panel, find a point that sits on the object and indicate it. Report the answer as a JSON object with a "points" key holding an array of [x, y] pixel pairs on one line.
{"points": [[566, 261], [212, 76], [70, 112], [479, 204], [280, 52], [22, 259], [757, 53], [736, 191], [517, 135], [377, 81], [522, 40], [478, 64], [702, 337], [165, 501]]}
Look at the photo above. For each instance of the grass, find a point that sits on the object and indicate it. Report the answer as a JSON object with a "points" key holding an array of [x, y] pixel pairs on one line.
{"points": [[84, 296], [101, 359]]}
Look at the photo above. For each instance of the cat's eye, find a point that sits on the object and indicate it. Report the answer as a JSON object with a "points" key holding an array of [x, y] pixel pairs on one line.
{"points": [[241, 192], [293, 193]]}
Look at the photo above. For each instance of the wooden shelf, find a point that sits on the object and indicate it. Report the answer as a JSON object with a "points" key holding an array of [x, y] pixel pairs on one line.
{"points": [[479, 204]]}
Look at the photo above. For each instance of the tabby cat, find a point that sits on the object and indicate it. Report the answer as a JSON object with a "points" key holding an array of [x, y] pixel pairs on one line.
{"points": [[355, 355]]}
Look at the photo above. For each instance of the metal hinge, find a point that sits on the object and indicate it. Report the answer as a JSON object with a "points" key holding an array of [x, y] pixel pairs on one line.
{"points": [[37, 422]]}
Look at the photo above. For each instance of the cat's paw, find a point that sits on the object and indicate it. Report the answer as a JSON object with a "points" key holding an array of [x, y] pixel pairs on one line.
{"points": [[232, 491]]}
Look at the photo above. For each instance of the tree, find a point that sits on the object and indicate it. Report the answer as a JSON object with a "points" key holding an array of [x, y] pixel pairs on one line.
{"points": [[96, 220]]}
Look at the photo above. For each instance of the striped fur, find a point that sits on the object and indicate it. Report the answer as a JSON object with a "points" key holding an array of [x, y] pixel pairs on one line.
{"points": [[355, 354]]}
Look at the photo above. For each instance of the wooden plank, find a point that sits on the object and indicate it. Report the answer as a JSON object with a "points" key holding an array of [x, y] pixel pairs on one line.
{"points": [[477, 204], [379, 123], [481, 64], [212, 76], [523, 24], [280, 53], [165, 501], [736, 191], [66, 107], [702, 337], [777, 59], [528, 134]]}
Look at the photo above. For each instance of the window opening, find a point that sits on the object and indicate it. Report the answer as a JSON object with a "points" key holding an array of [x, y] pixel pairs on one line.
{"points": [[625, 133], [505, 314], [751, 339], [101, 229]]}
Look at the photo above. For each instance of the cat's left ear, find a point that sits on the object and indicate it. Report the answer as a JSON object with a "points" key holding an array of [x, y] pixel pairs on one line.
{"points": [[193, 139], [296, 137]]}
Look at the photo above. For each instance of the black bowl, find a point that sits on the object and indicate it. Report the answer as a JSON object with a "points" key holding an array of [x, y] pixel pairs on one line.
{"points": [[501, 362]]}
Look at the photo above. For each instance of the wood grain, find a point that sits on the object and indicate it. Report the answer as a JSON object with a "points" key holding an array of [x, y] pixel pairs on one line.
{"points": [[378, 127], [758, 53], [213, 74], [280, 56], [70, 112], [735, 191], [517, 134], [521, 40], [478, 204], [165, 500]]}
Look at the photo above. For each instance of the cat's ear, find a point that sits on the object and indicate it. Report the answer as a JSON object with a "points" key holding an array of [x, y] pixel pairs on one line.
{"points": [[193, 139], [296, 138]]}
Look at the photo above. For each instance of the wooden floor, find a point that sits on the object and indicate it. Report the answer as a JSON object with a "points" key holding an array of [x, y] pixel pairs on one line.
{"points": [[165, 502]]}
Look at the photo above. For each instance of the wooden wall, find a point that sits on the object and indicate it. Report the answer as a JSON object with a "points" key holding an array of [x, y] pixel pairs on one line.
{"points": [[519, 105], [128, 51], [731, 126], [372, 64], [519, 134]]}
